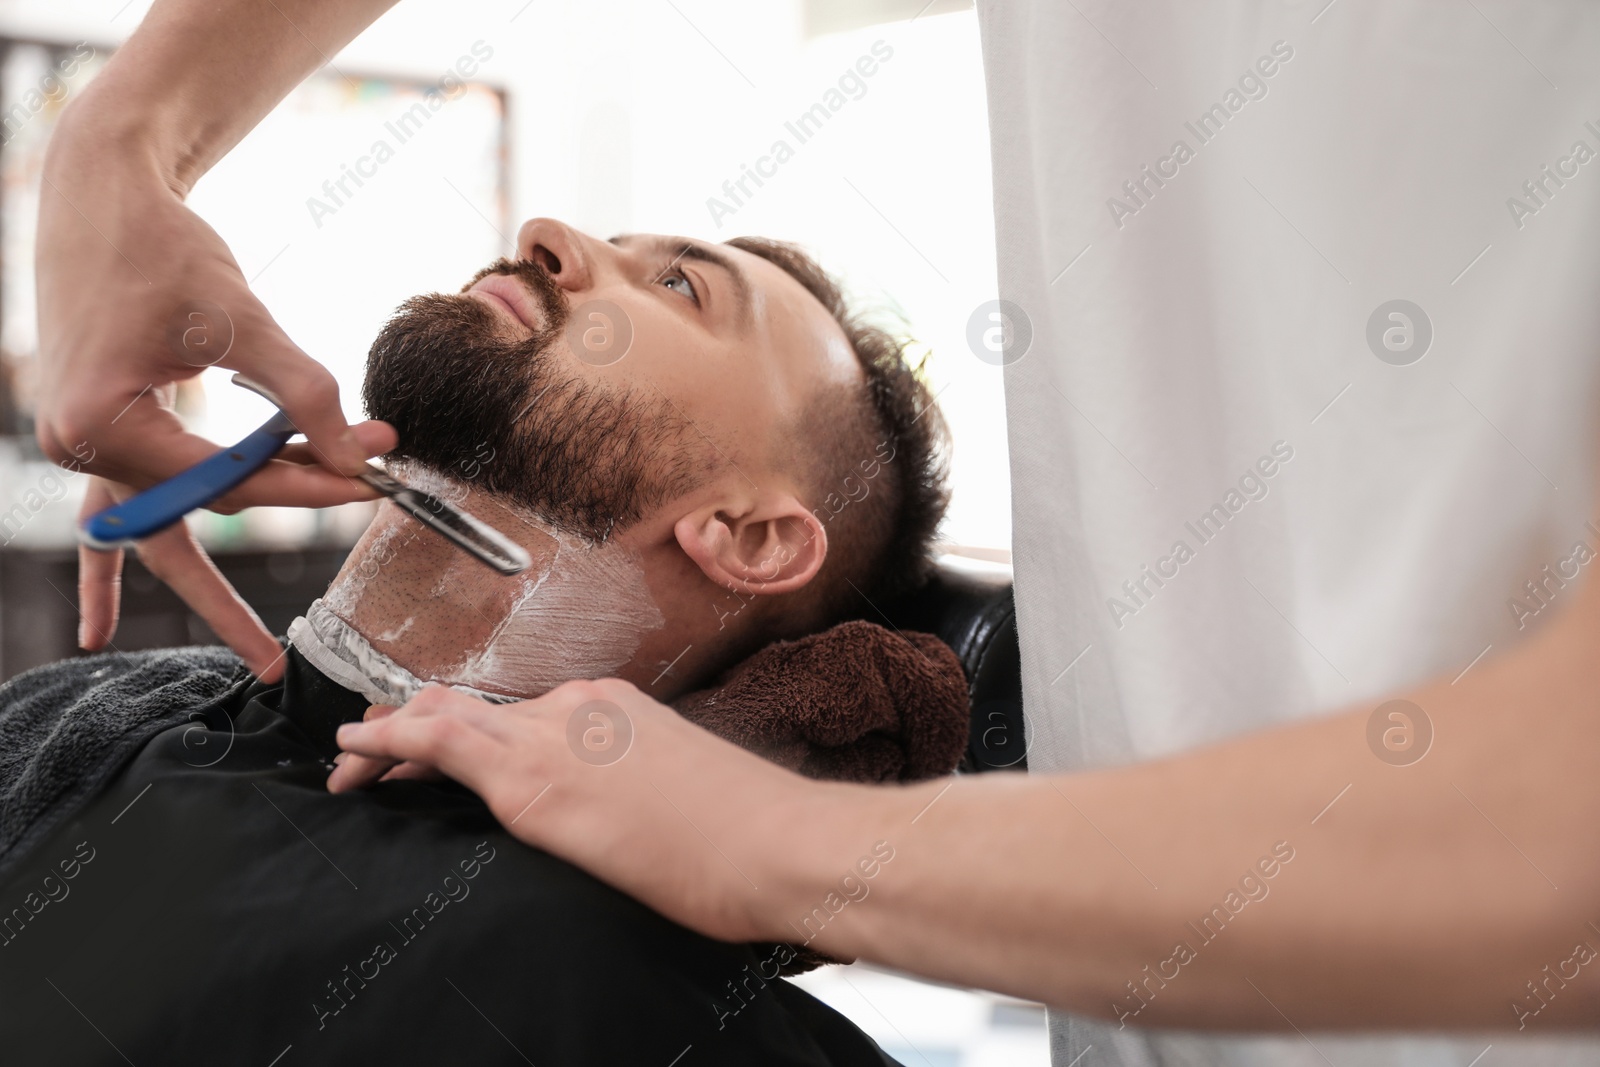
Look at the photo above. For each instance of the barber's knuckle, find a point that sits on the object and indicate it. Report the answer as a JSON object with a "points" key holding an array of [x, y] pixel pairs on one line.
{"points": [[432, 699], [50, 438], [580, 690], [440, 730], [70, 423], [617, 688], [316, 390]]}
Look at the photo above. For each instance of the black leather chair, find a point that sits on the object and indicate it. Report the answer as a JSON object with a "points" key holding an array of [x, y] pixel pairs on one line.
{"points": [[968, 605]]}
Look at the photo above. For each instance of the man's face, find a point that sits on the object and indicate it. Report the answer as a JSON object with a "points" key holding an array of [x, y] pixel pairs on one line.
{"points": [[605, 379]]}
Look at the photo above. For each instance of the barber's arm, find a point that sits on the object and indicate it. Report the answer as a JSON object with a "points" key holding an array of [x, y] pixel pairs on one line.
{"points": [[1288, 878], [119, 256]]}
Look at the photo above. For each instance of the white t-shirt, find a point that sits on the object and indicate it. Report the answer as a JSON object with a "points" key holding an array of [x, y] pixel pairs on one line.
{"points": [[1249, 486]]}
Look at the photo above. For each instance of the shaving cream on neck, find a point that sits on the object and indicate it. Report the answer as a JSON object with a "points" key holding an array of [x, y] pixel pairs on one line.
{"points": [[335, 648], [409, 609]]}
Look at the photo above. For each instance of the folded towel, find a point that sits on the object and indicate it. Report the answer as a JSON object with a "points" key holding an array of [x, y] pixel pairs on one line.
{"points": [[67, 727], [856, 703]]}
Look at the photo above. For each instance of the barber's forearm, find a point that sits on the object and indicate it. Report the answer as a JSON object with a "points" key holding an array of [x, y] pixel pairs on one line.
{"points": [[197, 75], [1421, 896]]}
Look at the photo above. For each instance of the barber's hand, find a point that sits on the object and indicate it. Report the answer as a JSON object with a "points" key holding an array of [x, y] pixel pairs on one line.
{"points": [[176, 558], [608, 779], [355, 771], [136, 292]]}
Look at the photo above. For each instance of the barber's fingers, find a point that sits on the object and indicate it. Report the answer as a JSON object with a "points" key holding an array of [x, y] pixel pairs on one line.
{"points": [[493, 749], [375, 439], [356, 771], [99, 579], [175, 557], [304, 388], [297, 476], [411, 771], [109, 339], [439, 728], [352, 771], [139, 442], [145, 443]]}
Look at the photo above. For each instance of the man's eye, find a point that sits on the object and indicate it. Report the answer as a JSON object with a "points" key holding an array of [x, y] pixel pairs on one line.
{"points": [[674, 278]]}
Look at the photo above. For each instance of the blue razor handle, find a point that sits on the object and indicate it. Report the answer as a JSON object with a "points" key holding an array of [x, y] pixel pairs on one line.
{"points": [[161, 505]]}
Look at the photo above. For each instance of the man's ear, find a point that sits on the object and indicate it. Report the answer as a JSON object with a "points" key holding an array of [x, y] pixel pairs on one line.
{"points": [[766, 546]]}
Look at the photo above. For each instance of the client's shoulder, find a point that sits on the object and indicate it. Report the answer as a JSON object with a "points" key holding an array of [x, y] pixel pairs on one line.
{"points": [[64, 727], [160, 675], [87, 704]]}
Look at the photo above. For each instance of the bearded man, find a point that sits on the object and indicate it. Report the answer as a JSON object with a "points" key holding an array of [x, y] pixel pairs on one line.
{"points": [[703, 452]]}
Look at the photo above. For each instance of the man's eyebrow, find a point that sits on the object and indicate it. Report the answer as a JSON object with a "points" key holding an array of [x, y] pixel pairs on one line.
{"points": [[681, 249]]}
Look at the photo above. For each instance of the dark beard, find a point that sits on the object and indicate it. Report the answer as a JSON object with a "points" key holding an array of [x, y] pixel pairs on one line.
{"points": [[518, 420]]}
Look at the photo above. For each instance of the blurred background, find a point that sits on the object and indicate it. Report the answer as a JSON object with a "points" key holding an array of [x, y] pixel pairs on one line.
{"points": [[614, 116]]}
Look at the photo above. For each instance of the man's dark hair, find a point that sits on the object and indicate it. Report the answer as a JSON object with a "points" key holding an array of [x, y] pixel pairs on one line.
{"points": [[874, 455]]}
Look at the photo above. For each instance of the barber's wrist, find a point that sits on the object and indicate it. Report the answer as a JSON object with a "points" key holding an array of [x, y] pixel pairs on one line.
{"points": [[822, 853], [112, 134]]}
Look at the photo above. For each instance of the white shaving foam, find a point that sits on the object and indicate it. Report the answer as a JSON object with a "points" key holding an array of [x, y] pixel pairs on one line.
{"points": [[583, 618], [335, 648], [583, 614]]}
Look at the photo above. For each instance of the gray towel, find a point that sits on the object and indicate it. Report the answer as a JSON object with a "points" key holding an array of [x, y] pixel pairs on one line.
{"points": [[66, 727]]}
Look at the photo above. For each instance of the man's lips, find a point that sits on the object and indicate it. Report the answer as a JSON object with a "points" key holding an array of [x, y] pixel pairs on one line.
{"points": [[509, 296]]}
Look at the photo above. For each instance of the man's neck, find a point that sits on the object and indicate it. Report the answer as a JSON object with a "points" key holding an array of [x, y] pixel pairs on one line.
{"points": [[580, 610]]}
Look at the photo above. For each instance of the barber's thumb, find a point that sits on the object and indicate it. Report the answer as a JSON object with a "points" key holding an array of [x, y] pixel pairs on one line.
{"points": [[309, 395]]}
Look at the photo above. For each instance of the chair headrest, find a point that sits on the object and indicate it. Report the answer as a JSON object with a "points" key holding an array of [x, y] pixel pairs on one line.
{"points": [[968, 604]]}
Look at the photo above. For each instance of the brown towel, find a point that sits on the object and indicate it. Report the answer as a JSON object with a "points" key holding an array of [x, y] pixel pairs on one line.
{"points": [[856, 703]]}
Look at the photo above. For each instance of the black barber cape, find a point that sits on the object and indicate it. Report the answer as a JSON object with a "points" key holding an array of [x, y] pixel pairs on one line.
{"points": [[178, 887]]}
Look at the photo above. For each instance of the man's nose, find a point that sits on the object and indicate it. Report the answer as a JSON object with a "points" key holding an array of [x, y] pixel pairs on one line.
{"points": [[559, 249]]}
